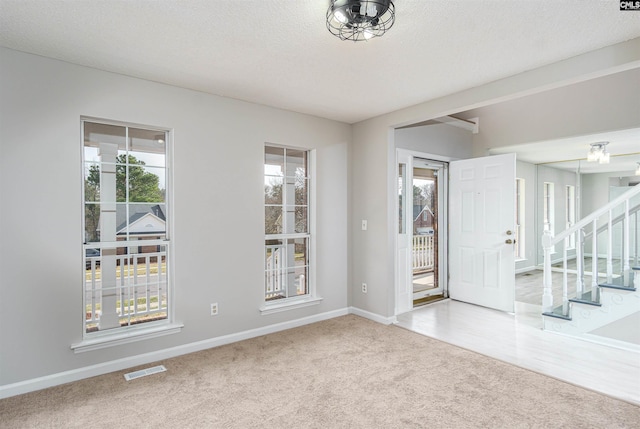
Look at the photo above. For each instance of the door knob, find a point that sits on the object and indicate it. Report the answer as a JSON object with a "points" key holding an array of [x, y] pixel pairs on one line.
{"points": [[509, 241], [509, 232]]}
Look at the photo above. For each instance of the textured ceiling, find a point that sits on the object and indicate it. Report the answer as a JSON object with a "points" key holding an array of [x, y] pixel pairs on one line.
{"points": [[279, 52]]}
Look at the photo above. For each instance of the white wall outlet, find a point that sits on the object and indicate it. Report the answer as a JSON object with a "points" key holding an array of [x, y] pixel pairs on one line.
{"points": [[214, 309], [364, 224], [364, 288]]}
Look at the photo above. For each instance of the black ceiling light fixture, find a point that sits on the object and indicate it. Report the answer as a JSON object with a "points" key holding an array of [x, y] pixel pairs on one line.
{"points": [[360, 19]]}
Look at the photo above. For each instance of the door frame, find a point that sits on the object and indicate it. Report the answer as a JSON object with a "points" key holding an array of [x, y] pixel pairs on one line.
{"points": [[443, 221]]}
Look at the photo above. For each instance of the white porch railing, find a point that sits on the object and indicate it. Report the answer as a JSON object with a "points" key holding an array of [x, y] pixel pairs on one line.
{"points": [[590, 222], [275, 272], [140, 288], [423, 253]]}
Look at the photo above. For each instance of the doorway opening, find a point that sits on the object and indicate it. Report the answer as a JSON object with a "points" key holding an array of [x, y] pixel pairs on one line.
{"points": [[421, 241], [425, 234]]}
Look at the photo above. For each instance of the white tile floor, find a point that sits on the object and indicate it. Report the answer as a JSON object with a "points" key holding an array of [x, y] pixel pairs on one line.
{"points": [[518, 339]]}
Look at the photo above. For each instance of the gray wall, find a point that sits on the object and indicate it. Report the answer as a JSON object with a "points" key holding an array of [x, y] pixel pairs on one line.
{"points": [[218, 226]]}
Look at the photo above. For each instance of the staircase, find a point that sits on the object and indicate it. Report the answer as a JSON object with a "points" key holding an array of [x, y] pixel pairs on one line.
{"points": [[609, 295]]}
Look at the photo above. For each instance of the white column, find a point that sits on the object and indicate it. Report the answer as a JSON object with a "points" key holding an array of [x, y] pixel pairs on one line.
{"points": [[108, 155]]}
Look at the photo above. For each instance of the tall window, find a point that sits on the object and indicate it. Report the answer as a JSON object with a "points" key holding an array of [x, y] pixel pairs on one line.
{"points": [[519, 233], [570, 210], [548, 208], [287, 236], [125, 225]]}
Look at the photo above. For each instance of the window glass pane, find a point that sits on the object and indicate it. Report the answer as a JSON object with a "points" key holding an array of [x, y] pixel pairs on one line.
{"points": [[402, 181], [92, 181], [301, 276], [91, 222], [273, 220], [301, 224], [146, 184], [148, 146], [96, 134], [273, 161], [301, 189], [300, 251], [296, 163], [273, 190], [146, 220]]}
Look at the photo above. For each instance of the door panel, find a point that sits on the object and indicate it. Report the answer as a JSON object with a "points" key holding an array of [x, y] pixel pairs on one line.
{"points": [[481, 212]]}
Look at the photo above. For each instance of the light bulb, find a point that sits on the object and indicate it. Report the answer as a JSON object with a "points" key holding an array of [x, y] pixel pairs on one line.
{"points": [[638, 170], [604, 158], [340, 16]]}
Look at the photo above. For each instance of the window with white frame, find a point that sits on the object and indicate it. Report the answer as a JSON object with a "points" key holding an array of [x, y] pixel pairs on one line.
{"points": [[548, 208], [570, 210], [547, 214], [126, 234], [287, 232], [519, 233]]}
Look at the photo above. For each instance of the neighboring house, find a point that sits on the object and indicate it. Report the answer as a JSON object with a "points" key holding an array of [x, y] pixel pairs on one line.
{"points": [[423, 220], [146, 223]]}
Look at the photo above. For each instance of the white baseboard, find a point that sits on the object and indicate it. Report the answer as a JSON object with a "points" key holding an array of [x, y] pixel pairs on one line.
{"points": [[526, 269], [373, 316], [117, 365]]}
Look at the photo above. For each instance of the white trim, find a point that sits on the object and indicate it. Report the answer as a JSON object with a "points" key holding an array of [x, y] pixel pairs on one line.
{"points": [[289, 305], [527, 269], [46, 381], [373, 316], [130, 335]]}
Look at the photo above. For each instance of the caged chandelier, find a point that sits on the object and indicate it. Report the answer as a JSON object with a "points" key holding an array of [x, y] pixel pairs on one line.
{"points": [[360, 19]]}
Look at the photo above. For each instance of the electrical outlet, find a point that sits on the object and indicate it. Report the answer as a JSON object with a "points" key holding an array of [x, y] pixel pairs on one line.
{"points": [[214, 309], [364, 288]]}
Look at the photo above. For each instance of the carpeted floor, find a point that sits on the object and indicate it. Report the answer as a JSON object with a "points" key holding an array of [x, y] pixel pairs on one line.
{"points": [[347, 372]]}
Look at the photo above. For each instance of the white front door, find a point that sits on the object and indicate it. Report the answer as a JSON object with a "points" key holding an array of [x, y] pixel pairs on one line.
{"points": [[481, 231]]}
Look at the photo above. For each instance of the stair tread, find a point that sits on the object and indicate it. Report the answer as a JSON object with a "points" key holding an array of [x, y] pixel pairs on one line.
{"points": [[557, 313], [586, 299], [618, 283]]}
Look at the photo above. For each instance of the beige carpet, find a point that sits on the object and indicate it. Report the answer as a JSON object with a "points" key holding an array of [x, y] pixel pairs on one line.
{"points": [[347, 372]]}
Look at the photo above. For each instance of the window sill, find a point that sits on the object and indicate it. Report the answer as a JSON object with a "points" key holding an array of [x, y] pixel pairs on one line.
{"points": [[107, 339], [289, 305]]}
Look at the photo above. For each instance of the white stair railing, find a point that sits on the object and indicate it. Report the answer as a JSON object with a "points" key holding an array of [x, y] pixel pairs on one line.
{"points": [[578, 229]]}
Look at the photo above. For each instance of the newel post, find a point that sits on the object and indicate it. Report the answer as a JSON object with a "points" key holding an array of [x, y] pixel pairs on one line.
{"points": [[547, 295]]}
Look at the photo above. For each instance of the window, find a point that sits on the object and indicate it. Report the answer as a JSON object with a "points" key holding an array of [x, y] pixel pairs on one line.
{"points": [[287, 232], [570, 210], [519, 233], [548, 209], [126, 234]]}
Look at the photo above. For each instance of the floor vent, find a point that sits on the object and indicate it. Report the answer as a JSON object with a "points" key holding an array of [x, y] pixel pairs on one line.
{"points": [[143, 372]]}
